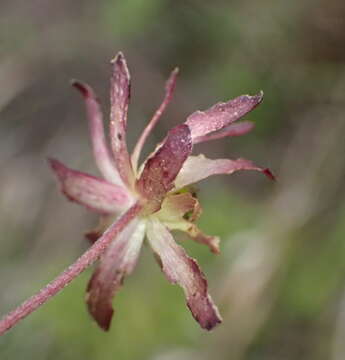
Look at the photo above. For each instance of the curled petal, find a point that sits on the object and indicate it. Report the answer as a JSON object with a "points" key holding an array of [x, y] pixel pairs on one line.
{"points": [[118, 261], [221, 115], [119, 100], [180, 269], [94, 193], [101, 153], [161, 169], [197, 235], [197, 168], [212, 242], [178, 213], [177, 206], [169, 89], [238, 129]]}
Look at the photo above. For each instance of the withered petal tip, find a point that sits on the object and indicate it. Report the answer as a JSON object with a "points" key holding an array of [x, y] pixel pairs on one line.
{"points": [[118, 58], [81, 87]]}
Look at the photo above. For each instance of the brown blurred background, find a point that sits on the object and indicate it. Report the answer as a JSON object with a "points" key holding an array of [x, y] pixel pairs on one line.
{"points": [[280, 280]]}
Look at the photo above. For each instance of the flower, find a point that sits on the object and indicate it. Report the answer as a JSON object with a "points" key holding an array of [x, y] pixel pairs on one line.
{"points": [[147, 201]]}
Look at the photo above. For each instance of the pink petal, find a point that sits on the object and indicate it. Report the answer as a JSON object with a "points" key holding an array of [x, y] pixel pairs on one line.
{"points": [[162, 167], [169, 89], [180, 269], [119, 100], [238, 129], [197, 168], [118, 261], [100, 150], [94, 193], [221, 115]]}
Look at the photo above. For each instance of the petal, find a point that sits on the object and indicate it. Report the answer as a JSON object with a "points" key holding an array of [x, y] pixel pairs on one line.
{"points": [[162, 167], [180, 269], [197, 168], [238, 129], [178, 213], [176, 206], [212, 242], [119, 99], [94, 193], [100, 150], [221, 115], [118, 261], [197, 235], [169, 89]]}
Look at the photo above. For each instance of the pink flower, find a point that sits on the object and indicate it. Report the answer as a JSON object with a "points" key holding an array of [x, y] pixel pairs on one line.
{"points": [[144, 202]]}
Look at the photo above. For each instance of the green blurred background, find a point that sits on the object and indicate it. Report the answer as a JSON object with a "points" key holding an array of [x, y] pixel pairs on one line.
{"points": [[280, 279]]}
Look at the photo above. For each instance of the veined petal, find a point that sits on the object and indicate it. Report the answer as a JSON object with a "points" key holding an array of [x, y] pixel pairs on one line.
{"points": [[199, 167], [238, 129], [101, 153], [221, 115], [180, 269], [94, 193], [119, 100], [169, 89], [118, 261], [162, 167]]}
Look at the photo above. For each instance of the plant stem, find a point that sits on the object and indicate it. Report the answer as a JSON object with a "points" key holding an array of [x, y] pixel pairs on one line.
{"points": [[88, 258]]}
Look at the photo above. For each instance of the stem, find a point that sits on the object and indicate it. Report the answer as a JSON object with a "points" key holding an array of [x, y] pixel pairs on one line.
{"points": [[89, 257], [169, 89]]}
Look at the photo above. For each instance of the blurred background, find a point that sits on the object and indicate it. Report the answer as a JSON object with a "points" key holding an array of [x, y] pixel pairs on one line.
{"points": [[280, 278]]}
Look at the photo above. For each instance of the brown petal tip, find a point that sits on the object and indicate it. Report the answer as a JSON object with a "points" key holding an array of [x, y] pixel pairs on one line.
{"points": [[208, 320], [84, 89], [269, 174]]}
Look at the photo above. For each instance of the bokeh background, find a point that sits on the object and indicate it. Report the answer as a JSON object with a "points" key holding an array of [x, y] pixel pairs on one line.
{"points": [[280, 279]]}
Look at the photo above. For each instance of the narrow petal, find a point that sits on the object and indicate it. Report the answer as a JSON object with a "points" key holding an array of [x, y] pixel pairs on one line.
{"points": [[101, 152], [212, 242], [119, 100], [197, 168], [94, 193], [180, 269], [238, 129], [161, 169], [169, 89], [197, 235], [221, 115], [118, 261]]}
